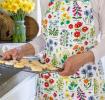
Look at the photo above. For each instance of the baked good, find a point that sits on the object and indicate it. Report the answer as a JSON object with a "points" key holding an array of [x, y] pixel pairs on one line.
{"points": [[9, 62], [37, 63], [19, 65], [36, 68], [2, 61]]}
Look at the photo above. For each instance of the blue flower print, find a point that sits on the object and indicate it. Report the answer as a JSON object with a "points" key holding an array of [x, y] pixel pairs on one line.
{"points": [[89, 67], [50, 41], [51, 48], [88, 71], [91, 98]]}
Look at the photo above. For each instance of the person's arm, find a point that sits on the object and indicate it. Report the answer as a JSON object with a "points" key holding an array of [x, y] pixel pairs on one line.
{"points": [[38, 44], [34, 47]]}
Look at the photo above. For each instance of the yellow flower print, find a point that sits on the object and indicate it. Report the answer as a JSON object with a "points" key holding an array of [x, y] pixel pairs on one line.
{"points": [[51, 98], [62, 3], [45, 22], [68, 17], [63, 9], [65, 14], [65, 78], [102, 97], [67, 94]]}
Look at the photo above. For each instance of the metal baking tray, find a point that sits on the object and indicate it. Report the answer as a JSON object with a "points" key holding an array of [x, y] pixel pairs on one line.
{"points": [[27, 69]]}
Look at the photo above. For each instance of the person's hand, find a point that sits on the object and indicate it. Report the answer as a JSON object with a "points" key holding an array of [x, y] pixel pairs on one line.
{"points": [[13, 54], [74, 63]]}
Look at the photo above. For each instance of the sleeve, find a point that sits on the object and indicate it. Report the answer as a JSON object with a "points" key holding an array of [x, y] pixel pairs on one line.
{"points": [[38, 43], [99, 50]]}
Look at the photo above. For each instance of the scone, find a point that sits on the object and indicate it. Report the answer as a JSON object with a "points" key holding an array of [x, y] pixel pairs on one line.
{"points": [[9, 62], [51, 67], [2, 61], [37, 63], [19, 65], [36, 68]]}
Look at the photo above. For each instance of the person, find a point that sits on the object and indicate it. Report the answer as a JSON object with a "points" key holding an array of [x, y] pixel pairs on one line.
{"points": [[70, 29]]}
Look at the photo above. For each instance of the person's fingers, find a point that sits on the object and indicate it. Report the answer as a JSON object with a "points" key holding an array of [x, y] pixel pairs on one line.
{"points": [[66, 70], [6, 56], [15, 54]]}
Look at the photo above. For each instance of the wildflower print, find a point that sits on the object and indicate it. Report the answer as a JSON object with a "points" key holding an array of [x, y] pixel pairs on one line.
{"points": [[78, 24], [53, 32], [91, 98], [72, 86], [54, 61], [103, 87], [76, 11], [88, 16], [80, 94], [84, 29], [69, 29], [70, 26], [87, 83], [77, 34], [60, 84]]}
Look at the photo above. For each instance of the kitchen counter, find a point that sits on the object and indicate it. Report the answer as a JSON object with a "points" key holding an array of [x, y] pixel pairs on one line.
{"points": [[18, 86], [14, 81]]}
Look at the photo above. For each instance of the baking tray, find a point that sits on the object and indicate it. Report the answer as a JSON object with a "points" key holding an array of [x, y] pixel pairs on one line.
{"points": [[28, 69]]}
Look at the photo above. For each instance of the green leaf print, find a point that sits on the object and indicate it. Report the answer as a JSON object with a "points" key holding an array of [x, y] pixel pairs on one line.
{"points": [[64, 58], [96, 86], [57, 6], [103, 88], [54, 61], [72, 85], [53, 32], [86, 0], [48, 90], [60, 84], [92, 32]]}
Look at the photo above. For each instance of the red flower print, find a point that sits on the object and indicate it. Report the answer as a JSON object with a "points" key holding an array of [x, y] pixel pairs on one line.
{"points": [[70, 26], [41, 75], [46, 84], [49, 74], [49, 16], [47, 60], [78, 52], [86, 43], [84, 29], [51, 81], [55, 94], [75, 47], [46, 76], [45, 95], [50, 4], [77, 34], [78, 24]]}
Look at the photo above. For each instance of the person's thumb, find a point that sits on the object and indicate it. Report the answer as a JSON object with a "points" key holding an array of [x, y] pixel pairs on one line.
{"points": [[65, 72]]}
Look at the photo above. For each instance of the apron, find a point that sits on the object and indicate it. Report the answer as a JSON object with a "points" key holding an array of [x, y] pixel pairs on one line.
{"points": [[68, 28]]}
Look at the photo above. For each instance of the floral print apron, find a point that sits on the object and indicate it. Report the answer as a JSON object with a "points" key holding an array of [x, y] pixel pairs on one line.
{"points": [[68, 28]]}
